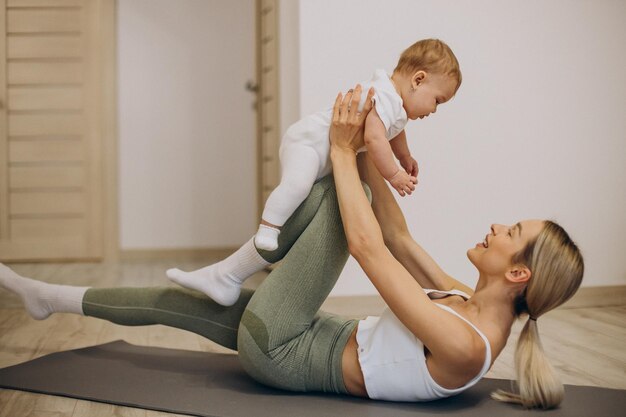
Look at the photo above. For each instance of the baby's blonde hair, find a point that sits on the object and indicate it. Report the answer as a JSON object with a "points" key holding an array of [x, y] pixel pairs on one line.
{"points": [[557, 270], [430, 55]]}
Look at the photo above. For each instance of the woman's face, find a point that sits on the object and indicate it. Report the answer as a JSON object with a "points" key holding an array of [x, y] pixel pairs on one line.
{"points": [[493, 256]]}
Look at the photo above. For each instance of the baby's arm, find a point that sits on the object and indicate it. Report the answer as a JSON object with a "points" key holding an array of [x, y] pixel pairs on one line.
{"points": [[403, 154], [381, 154]]}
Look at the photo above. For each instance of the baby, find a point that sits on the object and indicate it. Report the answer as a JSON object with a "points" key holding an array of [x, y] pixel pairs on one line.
{"points": [[427, 75]]}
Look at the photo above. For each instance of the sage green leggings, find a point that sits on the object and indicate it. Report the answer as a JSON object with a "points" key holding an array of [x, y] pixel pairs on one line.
{"points": [[282, 338]]}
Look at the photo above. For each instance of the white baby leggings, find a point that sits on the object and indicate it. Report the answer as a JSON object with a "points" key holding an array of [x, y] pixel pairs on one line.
{"points": [[301, 167]]}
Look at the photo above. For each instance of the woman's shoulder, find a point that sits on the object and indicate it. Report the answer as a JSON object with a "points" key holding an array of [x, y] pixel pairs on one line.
{"points": [[467, 355]]}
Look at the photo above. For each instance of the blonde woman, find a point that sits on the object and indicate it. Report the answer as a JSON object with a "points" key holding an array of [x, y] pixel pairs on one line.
{"points": [[525, 269], [429, 344]]}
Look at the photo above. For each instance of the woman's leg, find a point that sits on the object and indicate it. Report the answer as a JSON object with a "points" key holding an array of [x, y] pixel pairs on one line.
{"points": [[194, 311], [315, 229], [283, 340], [40, 298], [174, 307]]}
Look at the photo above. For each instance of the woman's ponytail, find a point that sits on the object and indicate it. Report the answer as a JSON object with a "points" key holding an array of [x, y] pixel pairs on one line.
{"points": [[538, 383], [557, 269]]}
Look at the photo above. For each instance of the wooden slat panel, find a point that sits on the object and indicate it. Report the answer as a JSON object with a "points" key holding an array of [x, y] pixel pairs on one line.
{"points": [[66, 46], [33, 98], [267, 47], [46, 150], [43, 3], [46, 228], [37, 249], [53, 175], [270, 110], [38, 21], [45, 124], [269, 50], [268, 24], [45, 72], [47, 202], [4, 202], [42, 177]]}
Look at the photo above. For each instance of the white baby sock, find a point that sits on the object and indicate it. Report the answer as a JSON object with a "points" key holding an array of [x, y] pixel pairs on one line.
{"points": [[266, 237], [40, 298], [222, 281]]}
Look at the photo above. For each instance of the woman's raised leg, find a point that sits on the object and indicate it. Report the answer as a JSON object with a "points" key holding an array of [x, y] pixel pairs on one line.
{"points": [[284, 340]]}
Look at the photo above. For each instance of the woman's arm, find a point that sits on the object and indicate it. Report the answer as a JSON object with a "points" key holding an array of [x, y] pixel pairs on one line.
{"points": [[397, 237], [448, 341]]}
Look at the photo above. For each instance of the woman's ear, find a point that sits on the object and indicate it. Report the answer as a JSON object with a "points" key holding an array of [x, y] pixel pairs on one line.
{"points": [[417, 79], [518, 274]]}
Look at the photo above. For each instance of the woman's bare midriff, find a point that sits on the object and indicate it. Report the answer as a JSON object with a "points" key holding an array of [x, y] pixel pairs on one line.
{"points": [[351, 368]]}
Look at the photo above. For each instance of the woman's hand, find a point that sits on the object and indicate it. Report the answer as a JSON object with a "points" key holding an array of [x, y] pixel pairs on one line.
{"points": [[348, 124]]}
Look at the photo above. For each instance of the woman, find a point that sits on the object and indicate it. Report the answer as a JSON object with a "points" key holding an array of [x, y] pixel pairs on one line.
{"points": [[427, 345]]}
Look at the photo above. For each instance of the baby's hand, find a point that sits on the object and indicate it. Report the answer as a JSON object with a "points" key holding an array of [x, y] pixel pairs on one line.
{"points": [[410, 165], [403, 183]]}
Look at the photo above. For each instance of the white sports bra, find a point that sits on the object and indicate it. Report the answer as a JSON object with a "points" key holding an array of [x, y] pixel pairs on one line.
{"points": [[393, 361]]}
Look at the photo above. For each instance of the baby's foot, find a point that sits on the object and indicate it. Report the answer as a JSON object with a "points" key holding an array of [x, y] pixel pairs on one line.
{"points": [[267, 238], [219, 287], [40, 298]]}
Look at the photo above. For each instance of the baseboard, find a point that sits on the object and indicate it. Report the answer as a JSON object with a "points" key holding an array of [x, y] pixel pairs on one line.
{"points": [[373, 305], [176, 254], [613, 295]]}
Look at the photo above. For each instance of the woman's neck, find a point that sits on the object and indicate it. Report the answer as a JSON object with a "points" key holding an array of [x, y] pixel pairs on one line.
{"points": [[492, 303]]}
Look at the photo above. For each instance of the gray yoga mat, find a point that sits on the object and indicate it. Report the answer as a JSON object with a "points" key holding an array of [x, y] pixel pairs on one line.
{"points": [[209, 384]]}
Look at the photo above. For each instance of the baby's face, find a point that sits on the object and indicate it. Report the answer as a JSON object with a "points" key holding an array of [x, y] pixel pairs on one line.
{"points": [[433, 90]]}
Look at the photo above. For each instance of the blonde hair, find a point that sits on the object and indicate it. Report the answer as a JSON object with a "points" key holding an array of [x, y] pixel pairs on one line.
{"points": [[557, 268], [430, 55]]}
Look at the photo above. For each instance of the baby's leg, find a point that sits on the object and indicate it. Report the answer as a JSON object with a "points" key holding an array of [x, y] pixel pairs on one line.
{"points": [[175, 307], [300, 167]]}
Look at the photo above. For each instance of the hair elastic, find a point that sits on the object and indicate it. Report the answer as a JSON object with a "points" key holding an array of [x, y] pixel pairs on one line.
{"points": [[532, 318]]}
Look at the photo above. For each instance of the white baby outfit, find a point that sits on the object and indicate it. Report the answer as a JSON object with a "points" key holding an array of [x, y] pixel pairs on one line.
{"points": [[393, 361], [305, 148]]}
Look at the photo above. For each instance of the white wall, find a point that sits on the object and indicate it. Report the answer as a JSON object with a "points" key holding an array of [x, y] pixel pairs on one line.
{"points": [[187, 128], [537, 130]]}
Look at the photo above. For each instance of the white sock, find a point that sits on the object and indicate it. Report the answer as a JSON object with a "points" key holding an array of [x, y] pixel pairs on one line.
{"points": [[222, 281], [40, 298], [266, 237]]}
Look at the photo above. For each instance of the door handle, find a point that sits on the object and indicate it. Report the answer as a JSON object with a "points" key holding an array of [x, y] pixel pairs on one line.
{"points": [[252, 86]]}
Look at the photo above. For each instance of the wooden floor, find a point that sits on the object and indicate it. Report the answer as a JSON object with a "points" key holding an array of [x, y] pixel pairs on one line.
{"points": [[586, 345]]}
